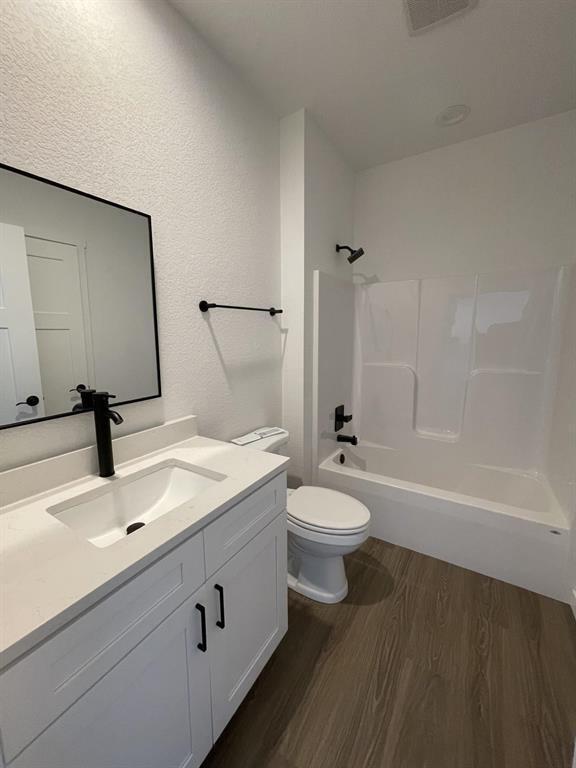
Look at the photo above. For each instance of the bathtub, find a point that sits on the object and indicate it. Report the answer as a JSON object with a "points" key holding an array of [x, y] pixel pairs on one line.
{"points": [[501, 523]]}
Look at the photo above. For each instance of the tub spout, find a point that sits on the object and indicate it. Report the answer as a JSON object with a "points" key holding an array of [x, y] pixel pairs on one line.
{"points": [[347, 439]]}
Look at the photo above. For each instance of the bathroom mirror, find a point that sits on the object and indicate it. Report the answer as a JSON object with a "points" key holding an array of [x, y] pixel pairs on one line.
{"points": [[77, 301]]}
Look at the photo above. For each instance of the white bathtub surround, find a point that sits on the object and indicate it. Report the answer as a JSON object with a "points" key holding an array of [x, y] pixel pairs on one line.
{"points": [[561, 458], [504, 524], [464, 367], [467, 482], [52, 572]]}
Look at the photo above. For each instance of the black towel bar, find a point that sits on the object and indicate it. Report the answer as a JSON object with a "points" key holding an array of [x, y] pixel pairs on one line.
{"points": [[205, 306]]}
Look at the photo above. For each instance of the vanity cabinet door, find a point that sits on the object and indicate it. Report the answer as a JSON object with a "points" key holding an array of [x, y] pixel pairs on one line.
{"points": [[152, 709], [248, 618]]}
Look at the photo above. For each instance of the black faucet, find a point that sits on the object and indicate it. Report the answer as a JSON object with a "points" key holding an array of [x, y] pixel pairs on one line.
{"points": [[347, 439], [102, 418]]}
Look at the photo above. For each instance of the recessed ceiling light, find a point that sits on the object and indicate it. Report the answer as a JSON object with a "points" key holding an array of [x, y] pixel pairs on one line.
{"points": [[453, 115]]}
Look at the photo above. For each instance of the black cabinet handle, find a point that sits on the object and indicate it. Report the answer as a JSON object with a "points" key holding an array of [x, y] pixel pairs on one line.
{"points": [[202, 646], [31, 400], [222, 621]]}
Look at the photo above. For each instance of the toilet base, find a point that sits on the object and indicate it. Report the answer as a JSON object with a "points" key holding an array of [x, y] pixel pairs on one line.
{"points": [[314, 593], [321, 579]]}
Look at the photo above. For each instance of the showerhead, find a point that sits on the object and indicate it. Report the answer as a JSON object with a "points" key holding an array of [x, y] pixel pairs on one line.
{"points": [[354, 254]]}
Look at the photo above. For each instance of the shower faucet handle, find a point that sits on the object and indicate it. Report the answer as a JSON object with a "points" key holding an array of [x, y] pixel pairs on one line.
{"points": [[340, 418]]}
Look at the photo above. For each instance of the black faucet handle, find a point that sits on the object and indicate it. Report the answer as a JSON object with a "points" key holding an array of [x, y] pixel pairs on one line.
{"points": [[340, 418]]}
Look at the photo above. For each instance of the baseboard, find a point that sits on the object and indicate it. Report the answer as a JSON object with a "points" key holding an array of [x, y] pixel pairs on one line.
{"points": [[573, 606]]}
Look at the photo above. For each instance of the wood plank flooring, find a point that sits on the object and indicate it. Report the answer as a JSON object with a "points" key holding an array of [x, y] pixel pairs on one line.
{"points": [[425, 665]]}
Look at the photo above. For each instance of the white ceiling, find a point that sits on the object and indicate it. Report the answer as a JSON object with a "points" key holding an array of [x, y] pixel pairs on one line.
{"points": [[375, 89]]}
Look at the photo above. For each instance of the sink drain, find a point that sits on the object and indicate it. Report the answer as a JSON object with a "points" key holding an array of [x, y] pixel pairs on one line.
{"points": [[134, 527]]}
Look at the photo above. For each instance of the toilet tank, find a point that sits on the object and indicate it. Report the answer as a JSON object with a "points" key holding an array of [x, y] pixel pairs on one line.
{"points": [[270, 439]]}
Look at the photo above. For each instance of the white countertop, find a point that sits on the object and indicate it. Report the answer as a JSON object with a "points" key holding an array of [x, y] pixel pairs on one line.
{"points": [[49, 574]]}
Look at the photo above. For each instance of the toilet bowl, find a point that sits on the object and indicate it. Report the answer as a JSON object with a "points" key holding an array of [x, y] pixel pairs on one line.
{"points": [[323, 526]]}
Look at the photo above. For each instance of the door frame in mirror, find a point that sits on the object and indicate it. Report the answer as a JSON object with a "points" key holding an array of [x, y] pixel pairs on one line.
{"points": [[148, 218]]}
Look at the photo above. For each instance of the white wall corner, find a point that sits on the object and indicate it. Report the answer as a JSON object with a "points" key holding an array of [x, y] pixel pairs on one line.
{"points": [[293, 276]]}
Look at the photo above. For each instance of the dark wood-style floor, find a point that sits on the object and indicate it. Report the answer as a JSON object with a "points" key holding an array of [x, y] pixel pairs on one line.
{"points": [[425, 665]]}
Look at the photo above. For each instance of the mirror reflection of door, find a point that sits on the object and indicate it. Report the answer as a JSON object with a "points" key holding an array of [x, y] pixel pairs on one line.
{"points": [[61, 320], [19, 364]]}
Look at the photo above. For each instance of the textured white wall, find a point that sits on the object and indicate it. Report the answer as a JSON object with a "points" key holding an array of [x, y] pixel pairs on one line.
{"points": [[292, 228], [502, 201], [124, 100]]}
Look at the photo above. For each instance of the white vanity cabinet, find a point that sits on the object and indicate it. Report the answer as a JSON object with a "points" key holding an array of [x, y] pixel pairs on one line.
{"points": [[149, 676], [152, 709], [244, 639]]}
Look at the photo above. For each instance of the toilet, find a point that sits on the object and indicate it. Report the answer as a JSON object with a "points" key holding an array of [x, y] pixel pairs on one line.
{"points": [[323, 526]]}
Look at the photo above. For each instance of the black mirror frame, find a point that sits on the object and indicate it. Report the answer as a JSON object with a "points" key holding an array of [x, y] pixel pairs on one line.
{"points": [[148, 218]]}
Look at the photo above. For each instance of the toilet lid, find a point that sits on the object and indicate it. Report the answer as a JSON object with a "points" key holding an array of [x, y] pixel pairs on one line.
{"points": [[326, 509]]}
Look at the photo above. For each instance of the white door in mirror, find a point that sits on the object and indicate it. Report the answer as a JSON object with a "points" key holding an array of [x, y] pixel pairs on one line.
{"points": [[62, 335], [19, 366]]}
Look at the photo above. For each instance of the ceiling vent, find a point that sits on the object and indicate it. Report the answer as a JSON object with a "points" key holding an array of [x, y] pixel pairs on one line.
{"points": [[423, 14]]}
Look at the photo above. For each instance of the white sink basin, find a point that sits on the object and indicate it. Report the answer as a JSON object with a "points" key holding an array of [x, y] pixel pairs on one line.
{"points": [[102, 515]]}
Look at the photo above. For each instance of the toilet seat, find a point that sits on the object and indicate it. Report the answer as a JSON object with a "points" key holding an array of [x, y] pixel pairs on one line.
{"points": [[324, 511], [327, 538], [317, 529]]}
